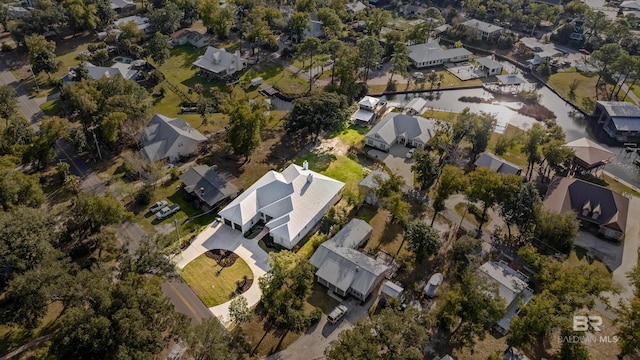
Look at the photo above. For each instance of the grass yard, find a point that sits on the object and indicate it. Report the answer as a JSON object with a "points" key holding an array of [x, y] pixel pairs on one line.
{"points": [[14, 337], [514, 153], [337, 167], [352, 136], [619, 187], [386, 236], [178, 69], [212, 283], [562, 80], [319, 298], [449, 81], [51, 107], [263, 338], [446, 116], [461, 209]]}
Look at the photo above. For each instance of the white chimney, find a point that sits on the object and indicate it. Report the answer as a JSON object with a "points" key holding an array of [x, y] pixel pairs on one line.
{"points": [[305, 165], [310, 178], [238, 62]]}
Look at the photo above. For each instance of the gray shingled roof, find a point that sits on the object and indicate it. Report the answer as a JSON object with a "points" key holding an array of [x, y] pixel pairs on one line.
{"points": [[482, 26], [488, 62], [163, 132], [339, 263], [205, 183], [411, 127], [625, 116], [590, 154], [370, 180], [433, 52], [497, 164]]}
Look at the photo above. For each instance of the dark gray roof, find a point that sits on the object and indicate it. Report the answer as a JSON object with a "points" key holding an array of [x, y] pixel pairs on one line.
{"points": [[482, 26], [625, 116], [497, 164], [433, 52], [489, 62], [352, 235], [205, 183], [371, 182], [411, 127], [339, 263], [163, 133], [566, 195]]}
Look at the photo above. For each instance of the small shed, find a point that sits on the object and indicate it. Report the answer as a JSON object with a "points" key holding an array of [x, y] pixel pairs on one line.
{"points": [[415, 106], [432, 286], [256, 81], [368, 185], [391, 290]]}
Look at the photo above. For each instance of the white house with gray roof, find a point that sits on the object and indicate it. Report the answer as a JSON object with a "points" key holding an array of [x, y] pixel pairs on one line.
{"points": [[344, 269], [497, 164], [431, 54], [512, 288], [483, 29], [167, 138], [395, 128], [219, 64], [290, 203]]}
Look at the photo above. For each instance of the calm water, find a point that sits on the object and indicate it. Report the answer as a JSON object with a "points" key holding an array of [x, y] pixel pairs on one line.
{"points": [[574, 127]]}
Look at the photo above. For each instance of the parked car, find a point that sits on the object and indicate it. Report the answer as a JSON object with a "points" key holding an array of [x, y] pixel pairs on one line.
{"points": [[410, 153], [338, 313], [167, 211], [418, 75], [158, 205], [584, 51]]}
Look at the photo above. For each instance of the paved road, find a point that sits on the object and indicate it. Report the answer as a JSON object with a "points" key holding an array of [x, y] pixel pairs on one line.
{"points": [[186, 301], [130, 234], [30, 107], [91, 183]]}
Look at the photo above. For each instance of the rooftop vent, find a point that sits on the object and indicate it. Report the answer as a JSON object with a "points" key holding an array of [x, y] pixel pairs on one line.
{"points": [[305, 165]]}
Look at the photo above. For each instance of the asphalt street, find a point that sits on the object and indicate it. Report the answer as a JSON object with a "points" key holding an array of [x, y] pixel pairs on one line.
{"points": [[186, 301], [29, 106], [78, 167]]}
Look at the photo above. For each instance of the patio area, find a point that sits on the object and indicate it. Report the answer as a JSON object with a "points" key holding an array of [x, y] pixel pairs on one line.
{"points": [[465, 71]]}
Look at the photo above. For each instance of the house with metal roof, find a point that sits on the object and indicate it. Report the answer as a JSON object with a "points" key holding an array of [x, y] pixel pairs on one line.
{"points": [[344, 269], [369, 185], [126, 71], [489, 65], [403, 129], [167, 138], [483, 29], [369, 108], [588, 156], [290, 203], [219, 64], [512, 289], [142, 23], [205, 184], [431, 54], [497, 164], [120, 6], [619, 119], [353, 8], [190, 37], [598, 208], [415, 106]]}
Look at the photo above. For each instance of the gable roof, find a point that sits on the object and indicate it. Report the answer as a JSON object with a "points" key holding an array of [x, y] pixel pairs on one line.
{"points": [[482, 26], [291, 198], [205, 183], [432, 51], [355, 7], [625, 116], [509, 282], [511, 79], [369, 101], [141, 22], [497, 164], [391, 289], [163, 133], [489, 62], [631, 4], [589, 153], [411, 127], [217, 60], [417, 104], [121, 4], [339, 263], [570, 194], [370, 180]]}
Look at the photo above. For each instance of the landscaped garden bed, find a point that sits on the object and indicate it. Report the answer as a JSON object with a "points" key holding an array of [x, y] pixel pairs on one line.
{"points": [[223, 258]]}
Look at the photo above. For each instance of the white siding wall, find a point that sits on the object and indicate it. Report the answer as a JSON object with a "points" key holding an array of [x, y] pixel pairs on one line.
{"points": [[377, 144]]}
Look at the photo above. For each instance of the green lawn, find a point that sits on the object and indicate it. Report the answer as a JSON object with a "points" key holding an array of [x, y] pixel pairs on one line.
{"points": [[212, 283], [51, 107], [320, 298], [446, 116], [619, 187], [461, 209], [514, 153], [337, 167], [386, 235], [353, 135], [562, 80], [14, 337]]}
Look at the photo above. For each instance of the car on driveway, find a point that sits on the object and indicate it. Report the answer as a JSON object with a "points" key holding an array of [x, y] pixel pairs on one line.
{"points": [[167, 211], [410, 153], [158, 206], [338, 313]]}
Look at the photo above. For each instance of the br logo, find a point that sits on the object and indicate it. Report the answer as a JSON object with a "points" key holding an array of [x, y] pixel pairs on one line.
{"points": [[583, 323]]}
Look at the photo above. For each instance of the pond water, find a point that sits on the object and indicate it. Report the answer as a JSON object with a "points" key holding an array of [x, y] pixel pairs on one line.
{"points": [[575, 127]]}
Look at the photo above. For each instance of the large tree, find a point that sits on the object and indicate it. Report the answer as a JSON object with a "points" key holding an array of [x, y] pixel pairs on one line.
{"points": [[331, 22], [8, 102], [333, 48], [318, 113], [298, 23], [18, 189], [423, 240], [452, 181], [470, 309], [370, 53], [557, 230], [392, 334], [83, 15], [214, 18], [310, 46], [534, 139], [158, 47], [426, 168], [245, 122], [42, 55], [285, 288], [399, 60], [519, 208], [376, 20], [167, 19], [211, 341], [484, 185]]}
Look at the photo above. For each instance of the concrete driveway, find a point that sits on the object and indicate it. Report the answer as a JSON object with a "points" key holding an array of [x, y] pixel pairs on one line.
{"points": [[396, 160], [312, 344], [220, 236], [607, 252]]}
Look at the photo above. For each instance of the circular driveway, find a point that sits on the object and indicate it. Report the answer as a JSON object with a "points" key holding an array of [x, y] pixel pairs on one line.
{"points": [[220, 236]]}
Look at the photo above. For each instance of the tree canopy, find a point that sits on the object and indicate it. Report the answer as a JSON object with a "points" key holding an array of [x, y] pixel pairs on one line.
{"points": [[318, 113]]}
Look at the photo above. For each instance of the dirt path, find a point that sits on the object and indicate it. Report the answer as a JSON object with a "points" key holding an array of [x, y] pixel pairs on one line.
{"points": [[26, 346]]}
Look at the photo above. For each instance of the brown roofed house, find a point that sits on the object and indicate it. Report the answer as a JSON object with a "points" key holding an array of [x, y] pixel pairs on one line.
{"points": [[596, 207], [589, 155]]}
